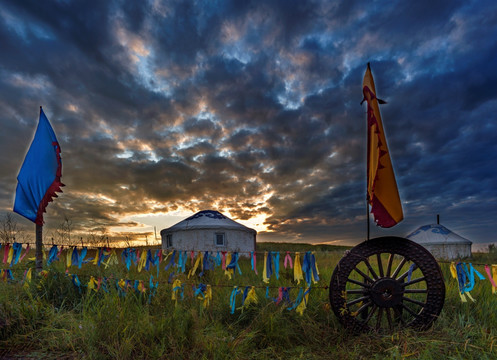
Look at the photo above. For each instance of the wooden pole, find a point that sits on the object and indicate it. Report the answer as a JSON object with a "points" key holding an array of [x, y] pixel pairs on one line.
{"points": [[39, 247], [367, 217]]}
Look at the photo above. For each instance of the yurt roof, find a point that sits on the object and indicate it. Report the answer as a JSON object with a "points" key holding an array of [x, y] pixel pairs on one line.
{"points": [[436, 234], [208, 219]]}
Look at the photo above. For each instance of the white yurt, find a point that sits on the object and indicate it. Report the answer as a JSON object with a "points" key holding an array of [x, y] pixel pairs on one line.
{"points": [[441, 242], [209, 230]]}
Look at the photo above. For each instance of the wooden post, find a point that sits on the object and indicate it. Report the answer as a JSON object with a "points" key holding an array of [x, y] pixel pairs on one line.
{"points": [[39, 247]]}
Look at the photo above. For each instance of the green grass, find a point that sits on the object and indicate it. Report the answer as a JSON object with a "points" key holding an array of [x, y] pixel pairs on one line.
{"points": [[53, 319]]}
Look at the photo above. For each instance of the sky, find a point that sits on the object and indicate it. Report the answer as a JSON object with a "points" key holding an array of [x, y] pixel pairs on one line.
{"points": [[252, 108]]}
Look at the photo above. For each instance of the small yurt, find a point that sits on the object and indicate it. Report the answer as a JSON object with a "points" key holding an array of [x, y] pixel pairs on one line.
{"points": [[209, 230], [441, 242]]}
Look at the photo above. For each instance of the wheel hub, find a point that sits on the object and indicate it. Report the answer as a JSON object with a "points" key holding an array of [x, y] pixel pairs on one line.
{"points": [[386, 292]]}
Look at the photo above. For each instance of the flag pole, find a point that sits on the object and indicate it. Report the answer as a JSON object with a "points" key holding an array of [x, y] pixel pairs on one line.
{"points": [[39, 247], [367, 218]]}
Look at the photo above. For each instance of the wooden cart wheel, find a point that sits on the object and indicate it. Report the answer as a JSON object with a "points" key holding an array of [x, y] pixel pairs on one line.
{"points": [[386, 283]]}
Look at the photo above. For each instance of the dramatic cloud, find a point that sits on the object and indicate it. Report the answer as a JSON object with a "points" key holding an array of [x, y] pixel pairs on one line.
{"points": [[163, 108]]}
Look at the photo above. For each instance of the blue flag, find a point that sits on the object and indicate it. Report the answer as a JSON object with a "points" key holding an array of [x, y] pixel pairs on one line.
{"points": [[39, 177]]}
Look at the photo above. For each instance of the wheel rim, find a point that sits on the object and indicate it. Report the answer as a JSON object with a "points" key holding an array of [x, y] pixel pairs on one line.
{"points": [[386, 283]]}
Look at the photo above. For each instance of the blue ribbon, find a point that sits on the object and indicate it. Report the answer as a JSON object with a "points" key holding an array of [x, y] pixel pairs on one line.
{"points": [[470, 273], [75, 257], [82, 256], [200, 290], [182, 261], [171, 262], [461, 277], [286, 295], [269, 265], [235, 292], [149, 260], [76, 282], [234, 263], [409, 273], [276, 261], [182, 289], [52, 255], [17, 253]]}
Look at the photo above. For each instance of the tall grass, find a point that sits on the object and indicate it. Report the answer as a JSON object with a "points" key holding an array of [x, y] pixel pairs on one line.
{"points": [[53, 319]]}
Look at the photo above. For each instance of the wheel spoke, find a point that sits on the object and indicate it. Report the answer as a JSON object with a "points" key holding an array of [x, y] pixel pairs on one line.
{"points": [[389, 318], [366, 277], [409, 310], [398, 313], [378, 320], [370, 315], [358, 283], [404, 275], [422, 278], [380, 265], [422, 304], [363, 307], [416, 291], [371, 269], [399, 267], [358, 300], [357, 291], [389, 266]]}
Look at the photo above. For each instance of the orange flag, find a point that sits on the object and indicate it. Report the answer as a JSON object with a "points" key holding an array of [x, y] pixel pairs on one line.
{"points": [[383, 195]]}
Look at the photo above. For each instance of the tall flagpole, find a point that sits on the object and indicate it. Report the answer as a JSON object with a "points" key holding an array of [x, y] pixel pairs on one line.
{"points": [[39, 247]]}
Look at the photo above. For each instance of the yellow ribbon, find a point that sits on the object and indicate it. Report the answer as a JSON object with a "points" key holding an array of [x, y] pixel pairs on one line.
{"points": [[198, 262], [494, 276], [142, 261], [453, 272], [27, 279], [141, 287], [176, 288], [207, 296], [68, 258], [228, 272], [11, 254], [264, 271], [92, 284], [251, 298], [297, 269], [112, 260], [95, 261], [303, 304]]}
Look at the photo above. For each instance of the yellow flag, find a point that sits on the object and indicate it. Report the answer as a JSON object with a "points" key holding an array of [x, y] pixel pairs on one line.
{"points": [[383, 195]]}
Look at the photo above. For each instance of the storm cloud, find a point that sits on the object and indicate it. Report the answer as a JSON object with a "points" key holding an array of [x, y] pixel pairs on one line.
{"points": [[253, 109]]}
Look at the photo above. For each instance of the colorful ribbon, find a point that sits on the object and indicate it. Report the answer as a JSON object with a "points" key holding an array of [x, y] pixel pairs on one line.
{"points": [[288, 260]]}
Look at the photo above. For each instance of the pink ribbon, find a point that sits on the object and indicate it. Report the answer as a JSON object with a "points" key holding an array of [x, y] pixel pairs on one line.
{"points": [[6, 253], [223, 261], [27, 250], [288, 258], [280, 295], [487, 269]]}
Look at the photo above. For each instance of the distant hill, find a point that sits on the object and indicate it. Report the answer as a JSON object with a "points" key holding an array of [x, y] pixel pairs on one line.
{"points": [[281, 246]]}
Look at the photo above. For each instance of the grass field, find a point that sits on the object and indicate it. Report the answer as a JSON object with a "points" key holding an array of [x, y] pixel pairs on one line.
{"points": [[52, 318]]}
